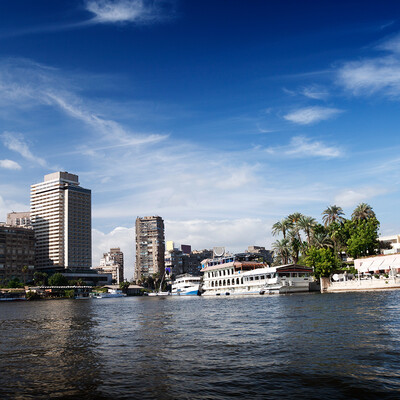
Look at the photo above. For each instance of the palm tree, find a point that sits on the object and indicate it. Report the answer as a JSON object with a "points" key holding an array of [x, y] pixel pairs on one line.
{"points": [[25, 270], [332, 214], [281, 226], [282, 249], [307, 224], [295, 245], [322, 240], [295, 218], [363, 211]]}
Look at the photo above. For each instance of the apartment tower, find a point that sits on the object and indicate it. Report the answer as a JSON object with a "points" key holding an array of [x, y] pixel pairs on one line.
{"points": [[150, 247], [61, 219]]}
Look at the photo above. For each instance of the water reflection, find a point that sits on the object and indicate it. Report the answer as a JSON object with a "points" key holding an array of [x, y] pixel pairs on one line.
{"points": [[47, 347], [298, 346]]}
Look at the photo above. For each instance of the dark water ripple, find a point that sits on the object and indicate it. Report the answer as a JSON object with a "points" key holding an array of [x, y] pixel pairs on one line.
{"points": [[311, 346]]}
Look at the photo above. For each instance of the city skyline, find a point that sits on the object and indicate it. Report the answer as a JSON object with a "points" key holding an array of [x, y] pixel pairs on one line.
{"points": [[221, 118]]}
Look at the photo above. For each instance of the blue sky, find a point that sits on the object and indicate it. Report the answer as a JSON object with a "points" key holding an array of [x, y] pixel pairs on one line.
{"points": [[220, 116]]}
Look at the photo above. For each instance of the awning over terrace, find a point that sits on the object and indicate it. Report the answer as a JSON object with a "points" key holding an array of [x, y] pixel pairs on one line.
{"points": [[377, 263]]}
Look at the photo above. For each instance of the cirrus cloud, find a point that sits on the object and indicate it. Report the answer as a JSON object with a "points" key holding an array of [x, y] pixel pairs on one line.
{"points": [[9, 164], [123, 11], [311, 115]]}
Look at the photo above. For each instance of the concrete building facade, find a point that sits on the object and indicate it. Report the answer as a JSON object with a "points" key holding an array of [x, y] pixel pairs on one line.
{"points": [[17, 253], [184, 260], [150, 247], [19, 219], [61, 219], [112, 263]]}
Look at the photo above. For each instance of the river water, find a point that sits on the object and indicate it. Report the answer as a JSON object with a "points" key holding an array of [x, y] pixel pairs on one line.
{"points": [[309, 346]]}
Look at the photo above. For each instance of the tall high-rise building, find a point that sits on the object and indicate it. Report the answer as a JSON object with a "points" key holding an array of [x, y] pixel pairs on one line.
{"points": [[61, 219], [150, 247]]}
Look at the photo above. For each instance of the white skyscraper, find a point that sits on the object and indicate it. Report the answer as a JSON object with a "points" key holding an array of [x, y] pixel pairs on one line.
{"points": [[61, 219]]}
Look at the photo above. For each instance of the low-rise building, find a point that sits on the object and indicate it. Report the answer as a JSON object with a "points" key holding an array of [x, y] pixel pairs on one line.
{"points": [[392, 242], [19, 219]]}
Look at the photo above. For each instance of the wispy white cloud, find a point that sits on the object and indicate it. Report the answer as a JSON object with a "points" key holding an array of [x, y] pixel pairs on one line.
{"points": [[27, 84], [107, 12], [301, 146], [315, 92], [16, 142], [7, 205], [311, 115], [371, 76], [352, 197], [117, 11], [9, 164], [380, 74]]}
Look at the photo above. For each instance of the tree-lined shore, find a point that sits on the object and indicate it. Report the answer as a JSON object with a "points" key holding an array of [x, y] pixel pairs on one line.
{"points": [[325, 245]]}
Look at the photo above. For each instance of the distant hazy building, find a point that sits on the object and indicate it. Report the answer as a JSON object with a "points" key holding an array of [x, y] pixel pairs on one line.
{"points": [[184, 260], [19, 219], [61, 219], [17, 253], [173, 259], [112, 263], [267, 255], [150, 247]]}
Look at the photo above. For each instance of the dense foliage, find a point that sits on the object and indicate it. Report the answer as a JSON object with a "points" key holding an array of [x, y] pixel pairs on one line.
{"points": [[58, 280], [323, 246]]}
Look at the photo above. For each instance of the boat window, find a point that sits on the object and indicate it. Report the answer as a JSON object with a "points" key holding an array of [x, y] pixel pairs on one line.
{"points": [[251, 278], [224, 282], [256, 278], [237, 281], [228, 282]]}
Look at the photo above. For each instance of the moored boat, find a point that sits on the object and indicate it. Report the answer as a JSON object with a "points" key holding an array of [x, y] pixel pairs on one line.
{"points": [[237, 275], [111, 294], [186, 285]]}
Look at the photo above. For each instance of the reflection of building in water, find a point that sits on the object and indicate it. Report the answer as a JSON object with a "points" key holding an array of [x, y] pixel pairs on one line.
{"points": [[112, 263], [17, 253], [150, 247]]}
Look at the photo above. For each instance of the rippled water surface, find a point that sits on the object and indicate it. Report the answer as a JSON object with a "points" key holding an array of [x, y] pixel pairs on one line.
{"points": [[307, 346]]}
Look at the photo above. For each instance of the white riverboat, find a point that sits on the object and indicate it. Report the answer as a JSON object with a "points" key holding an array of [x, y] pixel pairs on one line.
{"points": [[111, 294], [186, 285], [236, 276]]}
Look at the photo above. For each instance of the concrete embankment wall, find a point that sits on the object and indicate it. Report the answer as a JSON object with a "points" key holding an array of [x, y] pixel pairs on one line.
{"points": [[358, 285]]}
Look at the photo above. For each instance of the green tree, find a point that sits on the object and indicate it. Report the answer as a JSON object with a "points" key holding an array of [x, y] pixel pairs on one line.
{"points": [[282, 251], [15, 283], [69, 293], [307, 224], [295, 245], [24, 270], [58, 280], [363, 211], [323, 261], [124, 286], [363, 239], [281, 226], [332, 214], [40, 278]]}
